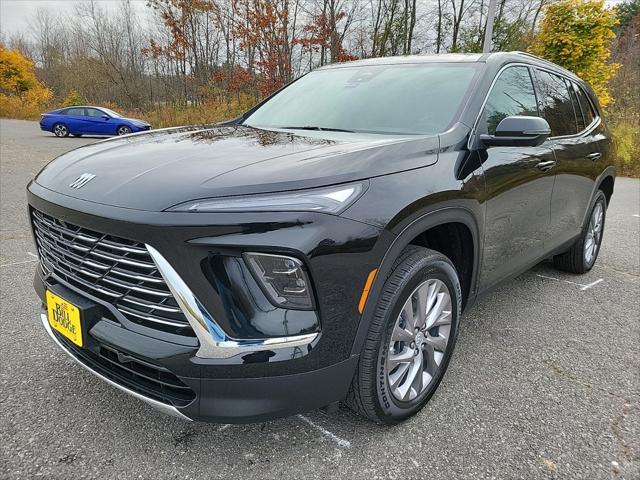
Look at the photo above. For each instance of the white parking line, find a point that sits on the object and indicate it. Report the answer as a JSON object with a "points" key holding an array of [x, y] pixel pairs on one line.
{"points": [[581, 285], [224, 427], [330, 435], [636, 215], [33, 255], [587, 287]]}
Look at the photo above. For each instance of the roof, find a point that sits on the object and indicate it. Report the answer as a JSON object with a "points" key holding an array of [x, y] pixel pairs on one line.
{"points": [[83, 106], [500, 57], [407, 59]]}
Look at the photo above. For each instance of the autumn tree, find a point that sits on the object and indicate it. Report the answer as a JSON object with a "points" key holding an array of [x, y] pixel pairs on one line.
{"points": [[324, 35], [191, 42], [576, 34], [263, 28], [21, 93], [624, 116], [627, 14]]}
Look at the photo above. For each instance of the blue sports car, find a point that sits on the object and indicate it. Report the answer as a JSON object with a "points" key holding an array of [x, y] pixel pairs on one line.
{"points": [[81, 120]]}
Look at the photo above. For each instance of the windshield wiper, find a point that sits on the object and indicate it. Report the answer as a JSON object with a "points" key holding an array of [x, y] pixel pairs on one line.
{"points": [[320, 129]]}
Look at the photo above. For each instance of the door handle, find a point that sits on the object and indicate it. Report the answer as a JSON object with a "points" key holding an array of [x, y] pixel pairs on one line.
{"points": [[544, 166], [594, 156]]}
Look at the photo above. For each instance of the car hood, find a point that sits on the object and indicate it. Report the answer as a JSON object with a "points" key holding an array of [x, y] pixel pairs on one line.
{"points": [[135, 120], [158, 169]]}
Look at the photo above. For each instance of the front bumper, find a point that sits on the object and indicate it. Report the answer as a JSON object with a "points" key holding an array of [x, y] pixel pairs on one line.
{"points": [[239, 400], [163, 407], [278, 374]]}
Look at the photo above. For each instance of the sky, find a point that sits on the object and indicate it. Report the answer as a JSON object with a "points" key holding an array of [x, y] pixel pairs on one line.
{"points": [[15, 14]]}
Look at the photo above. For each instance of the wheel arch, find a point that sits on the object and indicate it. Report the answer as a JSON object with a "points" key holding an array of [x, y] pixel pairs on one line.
{"points": [[414, 234], [606, 185]]}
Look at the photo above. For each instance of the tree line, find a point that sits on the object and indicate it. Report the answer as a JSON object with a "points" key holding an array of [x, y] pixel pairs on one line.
{"points": [[193, 51], [200, 61]]}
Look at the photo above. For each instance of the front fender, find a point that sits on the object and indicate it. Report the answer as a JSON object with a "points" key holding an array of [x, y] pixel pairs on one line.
{"points": [[403, 237]]}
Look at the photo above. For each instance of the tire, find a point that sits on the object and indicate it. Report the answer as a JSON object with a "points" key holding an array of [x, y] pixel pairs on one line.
{"points": [[60, 130], [123, 130], [582, 255], [372, 393]]}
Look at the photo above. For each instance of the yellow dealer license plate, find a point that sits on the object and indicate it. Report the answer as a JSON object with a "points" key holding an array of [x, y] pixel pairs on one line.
{"points": [[64, 317]]}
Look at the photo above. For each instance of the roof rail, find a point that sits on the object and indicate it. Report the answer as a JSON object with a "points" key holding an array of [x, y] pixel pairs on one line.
{"points": [[542, 60]]}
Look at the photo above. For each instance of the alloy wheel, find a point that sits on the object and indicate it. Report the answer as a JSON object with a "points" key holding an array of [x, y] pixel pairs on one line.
{"points": [[594, 234], [419, 340], [60, 130], [124, 130]]}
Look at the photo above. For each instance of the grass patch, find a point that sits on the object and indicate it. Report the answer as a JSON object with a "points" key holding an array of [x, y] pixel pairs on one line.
{"points": [[626, 137]]}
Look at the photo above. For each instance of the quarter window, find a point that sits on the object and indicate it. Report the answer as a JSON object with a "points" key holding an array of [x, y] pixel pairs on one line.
{"points": [[576, 108], [557, 107], [585, 105], [512, 94]]}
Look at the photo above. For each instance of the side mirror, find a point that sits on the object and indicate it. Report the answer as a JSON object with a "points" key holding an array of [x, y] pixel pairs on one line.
{"points": [[518, 131], [106, 117]]}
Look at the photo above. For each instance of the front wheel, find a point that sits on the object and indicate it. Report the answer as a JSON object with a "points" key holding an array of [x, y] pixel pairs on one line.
{"points": [[124, 130], [582, 255], [60, 130], [411, 338]]}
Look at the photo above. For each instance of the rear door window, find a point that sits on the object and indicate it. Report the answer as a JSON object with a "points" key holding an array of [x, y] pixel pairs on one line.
{"points": [[557, 107], [76, 112], [512, 94]]}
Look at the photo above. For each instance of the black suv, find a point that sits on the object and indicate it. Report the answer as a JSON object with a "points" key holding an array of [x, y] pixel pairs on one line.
{"points": [[322, 246]]}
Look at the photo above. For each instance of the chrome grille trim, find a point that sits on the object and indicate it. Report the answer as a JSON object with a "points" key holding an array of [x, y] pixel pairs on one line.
{"points": [[118, 271], [149, 317], [158, 306], [214, 342]]}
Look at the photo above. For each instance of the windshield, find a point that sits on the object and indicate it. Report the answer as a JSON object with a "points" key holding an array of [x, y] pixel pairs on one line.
{"points": [[405, 99], [111, 112]]}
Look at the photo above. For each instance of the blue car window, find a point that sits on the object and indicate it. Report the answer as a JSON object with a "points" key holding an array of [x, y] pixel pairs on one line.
{"points": [[94, 112], [76, 111]]}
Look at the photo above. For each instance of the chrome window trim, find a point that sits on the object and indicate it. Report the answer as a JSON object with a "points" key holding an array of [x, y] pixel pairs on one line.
{"points": [[163, 407], [214, 342], [596, 121], [589, 128]]}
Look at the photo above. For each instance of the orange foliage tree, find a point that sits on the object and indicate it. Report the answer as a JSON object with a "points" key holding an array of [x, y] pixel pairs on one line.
{"points": [[263, 28], [321, 35]]}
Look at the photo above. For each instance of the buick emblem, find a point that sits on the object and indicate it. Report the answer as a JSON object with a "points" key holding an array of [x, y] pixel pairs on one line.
{"points": [[82, 180]]}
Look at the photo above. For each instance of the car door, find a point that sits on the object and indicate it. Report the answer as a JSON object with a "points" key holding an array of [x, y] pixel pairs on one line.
{"points": [[576, 149], [518, 183], [100, 122], [76, 120]]}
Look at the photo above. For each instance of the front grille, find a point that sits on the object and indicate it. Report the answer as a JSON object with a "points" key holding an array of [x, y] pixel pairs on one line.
{"points": [[151, 381], [115, 270]]}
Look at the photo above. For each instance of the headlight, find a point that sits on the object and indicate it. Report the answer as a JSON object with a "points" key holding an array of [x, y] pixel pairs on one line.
{"points": [[283, 279], [328, 200]]}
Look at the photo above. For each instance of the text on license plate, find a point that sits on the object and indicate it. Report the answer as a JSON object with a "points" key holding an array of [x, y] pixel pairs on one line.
{"points": [[64, 317]]}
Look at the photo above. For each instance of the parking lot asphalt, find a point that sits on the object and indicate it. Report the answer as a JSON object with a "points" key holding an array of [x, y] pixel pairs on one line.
{"points": [[544, 382]]}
